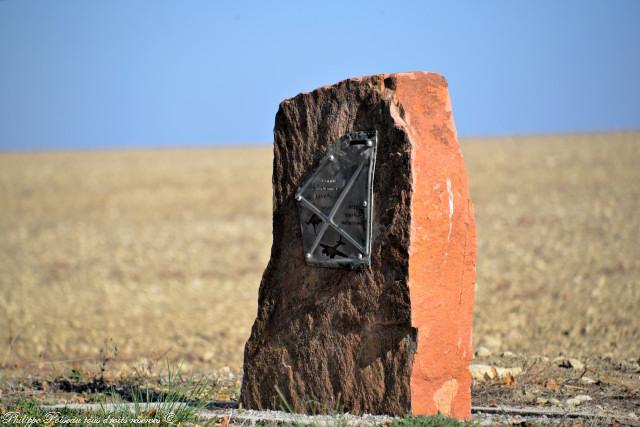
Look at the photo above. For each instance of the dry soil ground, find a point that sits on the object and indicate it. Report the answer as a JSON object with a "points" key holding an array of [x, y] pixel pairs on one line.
{"points": [[159, 253]]}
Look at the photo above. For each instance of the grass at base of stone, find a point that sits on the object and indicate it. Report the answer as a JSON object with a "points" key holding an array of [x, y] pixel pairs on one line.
{"points": [[337, 411], [311, 406], [430, 421]]}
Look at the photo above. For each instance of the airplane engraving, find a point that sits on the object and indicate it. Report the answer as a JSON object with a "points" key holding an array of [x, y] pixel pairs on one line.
{"points": [[332, 250]]}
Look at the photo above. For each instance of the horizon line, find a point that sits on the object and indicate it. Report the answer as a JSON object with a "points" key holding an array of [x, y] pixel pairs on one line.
{"points": [[248, 144]]}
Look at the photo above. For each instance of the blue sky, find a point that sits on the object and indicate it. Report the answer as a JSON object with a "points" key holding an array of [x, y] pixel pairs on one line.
{"points": [[130, 73]]}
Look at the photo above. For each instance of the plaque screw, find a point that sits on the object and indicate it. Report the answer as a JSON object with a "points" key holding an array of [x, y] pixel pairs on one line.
{"points": [[364, 204], [369, 143], [298, 197], [359, 256], [308, 255], [331, 158]]}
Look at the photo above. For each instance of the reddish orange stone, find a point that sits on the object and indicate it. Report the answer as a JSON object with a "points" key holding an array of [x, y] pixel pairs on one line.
{"points": [[442, 252]]}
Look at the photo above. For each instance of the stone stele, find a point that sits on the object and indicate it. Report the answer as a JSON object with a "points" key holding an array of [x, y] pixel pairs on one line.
{"points": [[395, 337]]}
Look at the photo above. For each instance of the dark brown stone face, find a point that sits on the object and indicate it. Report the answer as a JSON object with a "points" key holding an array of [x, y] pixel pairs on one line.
{"points": [[332, 335]]}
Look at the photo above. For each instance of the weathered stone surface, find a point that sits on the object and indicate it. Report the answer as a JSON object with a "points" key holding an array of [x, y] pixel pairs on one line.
{"points": [[396, 337]]}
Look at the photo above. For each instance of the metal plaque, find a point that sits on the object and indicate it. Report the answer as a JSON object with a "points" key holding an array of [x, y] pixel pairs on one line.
{"points": [[335, 203]]}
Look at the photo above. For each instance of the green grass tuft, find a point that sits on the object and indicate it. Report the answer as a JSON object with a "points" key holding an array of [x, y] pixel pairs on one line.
{"points": [[430, 421], [179, 402]]}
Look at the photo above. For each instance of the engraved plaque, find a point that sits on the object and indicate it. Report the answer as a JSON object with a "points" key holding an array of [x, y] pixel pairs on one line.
{"points": [[335, 203]]}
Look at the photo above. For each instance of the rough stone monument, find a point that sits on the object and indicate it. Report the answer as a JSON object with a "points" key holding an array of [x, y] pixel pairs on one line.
{"points": [[366, 303]]}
